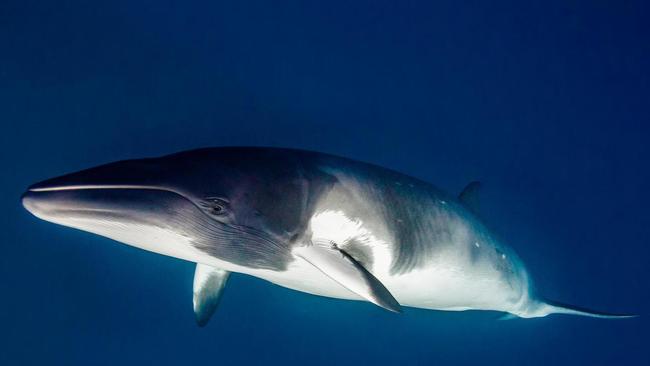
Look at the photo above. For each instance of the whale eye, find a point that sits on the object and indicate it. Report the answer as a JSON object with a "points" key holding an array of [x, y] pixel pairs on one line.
{"points": [[216, 206]]}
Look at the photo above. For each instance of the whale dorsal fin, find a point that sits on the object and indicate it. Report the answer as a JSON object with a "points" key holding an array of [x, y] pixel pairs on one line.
{"points": [[208, 286], [469, 196], [338, 265]]}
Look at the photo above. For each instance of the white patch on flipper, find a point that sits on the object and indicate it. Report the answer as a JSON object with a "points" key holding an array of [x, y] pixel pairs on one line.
{"points": [[335, 226], [208, 286]]}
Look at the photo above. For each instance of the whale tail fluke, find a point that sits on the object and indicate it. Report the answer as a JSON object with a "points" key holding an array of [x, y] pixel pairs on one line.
{"points": [[558, 308]]}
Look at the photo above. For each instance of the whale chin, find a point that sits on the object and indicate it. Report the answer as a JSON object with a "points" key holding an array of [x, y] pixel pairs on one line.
{"points": [[148, 219]]}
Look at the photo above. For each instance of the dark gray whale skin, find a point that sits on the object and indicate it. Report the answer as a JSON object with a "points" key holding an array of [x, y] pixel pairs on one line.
{"points": [[272, 192]]}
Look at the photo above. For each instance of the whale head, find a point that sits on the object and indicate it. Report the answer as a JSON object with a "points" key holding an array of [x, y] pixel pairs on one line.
{"points": [[240, 206]]}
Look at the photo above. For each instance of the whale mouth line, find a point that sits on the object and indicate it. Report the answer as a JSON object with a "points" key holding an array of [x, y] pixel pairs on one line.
{"points": [[34, 195], [97, 186], [99, 204]]}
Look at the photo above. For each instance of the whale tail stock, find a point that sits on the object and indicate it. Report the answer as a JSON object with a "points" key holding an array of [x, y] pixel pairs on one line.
{"points": [[559, 308], [542, 308]]}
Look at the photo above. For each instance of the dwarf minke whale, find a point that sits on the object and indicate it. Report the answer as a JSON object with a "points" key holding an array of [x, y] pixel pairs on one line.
{"points": [[312, 222]]}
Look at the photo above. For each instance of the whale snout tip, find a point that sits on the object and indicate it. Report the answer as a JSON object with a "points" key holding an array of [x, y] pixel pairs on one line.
{"points": [[46, 185], [34, 199], [29, 203], [41, 198]]}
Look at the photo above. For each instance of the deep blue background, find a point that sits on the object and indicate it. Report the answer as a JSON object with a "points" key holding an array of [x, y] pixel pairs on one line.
{"points": [[545, 102]]}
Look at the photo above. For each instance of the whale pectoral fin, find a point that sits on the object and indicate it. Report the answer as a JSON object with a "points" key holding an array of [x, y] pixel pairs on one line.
{"points": [[208, 287], [342, 268]]}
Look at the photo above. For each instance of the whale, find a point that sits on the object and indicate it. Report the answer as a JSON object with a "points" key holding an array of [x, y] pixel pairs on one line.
{"points": [[309, 221]]}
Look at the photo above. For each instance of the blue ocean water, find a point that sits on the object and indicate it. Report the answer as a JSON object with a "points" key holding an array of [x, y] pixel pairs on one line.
{"points": [[545, 102]]}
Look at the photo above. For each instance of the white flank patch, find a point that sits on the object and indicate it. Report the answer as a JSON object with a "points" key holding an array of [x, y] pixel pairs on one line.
{"points": [[331, 225]]}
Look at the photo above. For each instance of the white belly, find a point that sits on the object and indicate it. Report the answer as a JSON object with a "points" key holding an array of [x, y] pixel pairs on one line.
{"points": [[443, 288], [449, 282], [445, 284]]}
